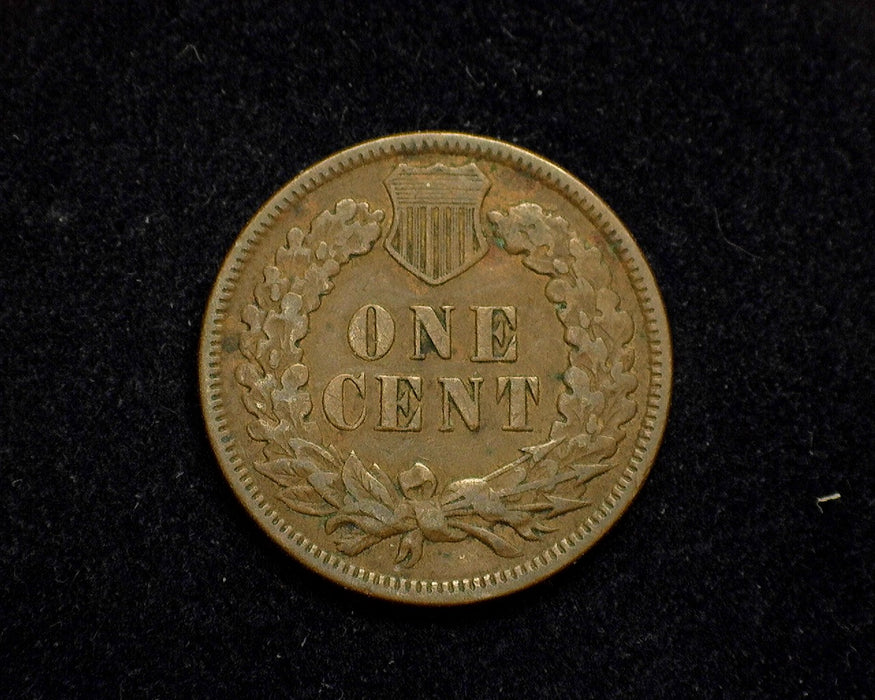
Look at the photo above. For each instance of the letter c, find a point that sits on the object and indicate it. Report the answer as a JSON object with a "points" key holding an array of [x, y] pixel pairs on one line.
{"points": [[332, 401]]}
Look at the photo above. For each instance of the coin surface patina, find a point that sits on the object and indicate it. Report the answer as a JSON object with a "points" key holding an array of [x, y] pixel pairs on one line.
{"points": [[435, 368]]}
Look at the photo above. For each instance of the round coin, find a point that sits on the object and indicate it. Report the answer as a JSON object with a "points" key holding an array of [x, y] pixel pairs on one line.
{"points": [[435, 368]]}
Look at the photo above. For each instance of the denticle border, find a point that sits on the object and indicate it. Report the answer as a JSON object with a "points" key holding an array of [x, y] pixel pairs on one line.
{"points": [[551, 559]]}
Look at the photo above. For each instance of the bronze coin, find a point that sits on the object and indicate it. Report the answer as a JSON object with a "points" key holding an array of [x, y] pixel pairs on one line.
{"points": [[435, 368]]}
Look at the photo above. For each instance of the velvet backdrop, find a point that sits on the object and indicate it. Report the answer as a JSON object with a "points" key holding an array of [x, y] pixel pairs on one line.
{"points": [[735, 141]]}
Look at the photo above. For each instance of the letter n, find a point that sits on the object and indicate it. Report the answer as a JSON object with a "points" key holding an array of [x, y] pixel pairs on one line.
{"points": [[467, 404]]}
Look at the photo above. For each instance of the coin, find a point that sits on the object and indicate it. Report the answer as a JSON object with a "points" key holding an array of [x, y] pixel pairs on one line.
{"points": [[435, 368]]}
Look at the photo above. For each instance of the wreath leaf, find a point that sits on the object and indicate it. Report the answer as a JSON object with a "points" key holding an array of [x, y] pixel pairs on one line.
{"points": [[363, 485]]}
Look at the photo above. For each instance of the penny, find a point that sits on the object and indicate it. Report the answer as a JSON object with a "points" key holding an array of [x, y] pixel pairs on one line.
{"points": [[435, 368]]}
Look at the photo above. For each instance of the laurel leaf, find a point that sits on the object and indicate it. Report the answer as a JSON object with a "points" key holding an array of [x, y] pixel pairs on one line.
{"points": [[372, 508], [388, 487], [305, 506], [362, 485], [305, 448], [323, 484], [280, 471]]}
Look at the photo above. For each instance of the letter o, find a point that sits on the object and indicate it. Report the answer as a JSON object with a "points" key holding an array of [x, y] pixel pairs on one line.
{"points": [[371, 332]]}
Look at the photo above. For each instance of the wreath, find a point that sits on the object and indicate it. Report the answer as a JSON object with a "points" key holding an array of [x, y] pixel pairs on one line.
{"points": [[361, 505]]}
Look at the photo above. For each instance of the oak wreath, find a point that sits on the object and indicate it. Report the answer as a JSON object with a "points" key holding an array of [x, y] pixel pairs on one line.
{"points": [[361, 505]]}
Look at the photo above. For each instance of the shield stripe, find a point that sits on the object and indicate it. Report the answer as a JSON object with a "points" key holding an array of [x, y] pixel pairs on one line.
{"points": [[436, 230]]}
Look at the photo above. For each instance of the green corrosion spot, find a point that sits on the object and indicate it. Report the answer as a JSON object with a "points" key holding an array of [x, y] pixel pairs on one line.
{"points": [[499, 241], [230, 342]]}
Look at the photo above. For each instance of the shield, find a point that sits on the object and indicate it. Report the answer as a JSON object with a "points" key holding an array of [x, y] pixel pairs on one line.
{"points": [[436, 232]]}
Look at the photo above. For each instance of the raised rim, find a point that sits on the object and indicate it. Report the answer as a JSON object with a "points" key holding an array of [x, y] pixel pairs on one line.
{"points": [[552, 559]]}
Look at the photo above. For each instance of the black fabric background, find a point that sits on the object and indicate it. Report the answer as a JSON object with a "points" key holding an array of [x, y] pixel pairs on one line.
{"points": [[734, 140]]}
